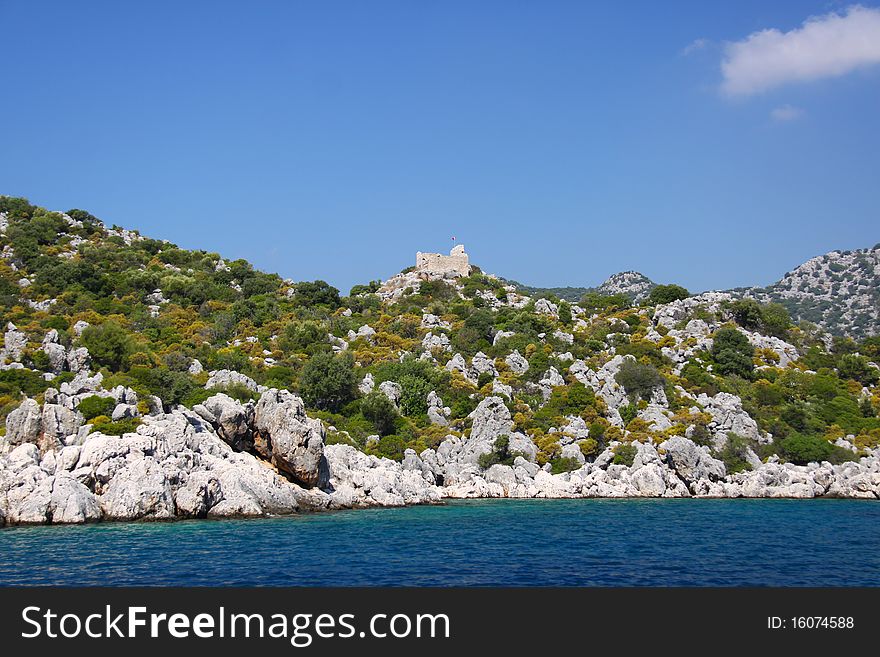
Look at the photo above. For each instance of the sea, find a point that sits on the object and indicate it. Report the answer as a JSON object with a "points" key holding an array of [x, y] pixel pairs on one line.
{"points": [[592, 542]]}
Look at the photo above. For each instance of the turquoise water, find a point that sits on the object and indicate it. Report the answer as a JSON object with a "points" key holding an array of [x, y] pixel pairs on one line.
{"points": [[473, 543]]}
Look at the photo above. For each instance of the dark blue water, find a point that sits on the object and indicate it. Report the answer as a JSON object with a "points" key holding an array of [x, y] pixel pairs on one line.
{"points": [[474, 543]]}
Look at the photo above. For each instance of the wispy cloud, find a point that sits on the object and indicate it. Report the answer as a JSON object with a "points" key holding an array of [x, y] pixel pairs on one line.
{"points": [[786, 113], [694, 46], [824, 46]]}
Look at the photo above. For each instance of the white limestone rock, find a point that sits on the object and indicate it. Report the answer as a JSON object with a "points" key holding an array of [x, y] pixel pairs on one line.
{"points": [[24, 424], [289, 438], [367, 384], [226, 378], [517, 363]]}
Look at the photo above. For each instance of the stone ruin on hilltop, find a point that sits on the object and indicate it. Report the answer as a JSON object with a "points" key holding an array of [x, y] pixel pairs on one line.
{"points": [[456, 263], [429, 267]]}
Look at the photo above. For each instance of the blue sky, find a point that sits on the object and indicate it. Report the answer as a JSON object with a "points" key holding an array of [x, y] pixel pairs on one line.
{"points": [[559, 141]]}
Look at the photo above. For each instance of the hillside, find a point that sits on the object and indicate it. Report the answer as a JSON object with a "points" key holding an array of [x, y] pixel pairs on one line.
{"points": [[839, 291], [209, 370]]}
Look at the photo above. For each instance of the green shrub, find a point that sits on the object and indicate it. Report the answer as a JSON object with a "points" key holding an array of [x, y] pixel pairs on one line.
{"points": [[391, 447], [564, 464], [770, 318], [593, 301], [413, 395], [500, 454], [92, 407], [734, 452], [624, 454], [370, 288], [109, 345], [327, 382], [28, 382], [589, 446], [732, 353], [170, 386], [128, 425], [638, 379], [667, 294], [628, 413], [316, 293], [851, 366], [379, 410], [39, 359], [803, 449]]}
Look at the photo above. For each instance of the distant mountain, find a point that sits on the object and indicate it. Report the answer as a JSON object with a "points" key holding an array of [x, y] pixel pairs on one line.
{"points": [[634, 285], [572, 294], [839, 291]]}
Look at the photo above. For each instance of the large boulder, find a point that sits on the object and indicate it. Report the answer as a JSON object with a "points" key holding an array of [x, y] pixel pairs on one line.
{"points": [[71, 502], [231, 419], [26, 493], [392, 391], [291, 440], [78, 360], [482, 364], [82, 383], [366, 386], [517, 363], [437, 413], [14, 342], [691, 462], [58, 422], [226, 378], [55, 352], [139, 490], [24, 424], [728, 416], [489, 420]]}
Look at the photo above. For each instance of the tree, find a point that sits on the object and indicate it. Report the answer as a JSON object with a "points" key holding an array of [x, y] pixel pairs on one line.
{"points": [[564, 313], [802, 449], [109, 344], [327, 382], [733, 353], [667, 294], [624, 454], [379, 410], [414, 395], [500, 454], [316, 293], [770, 318], [870, 347], [746, 313], [370, 288], [638, 379], [775, 319], [734, 454]]}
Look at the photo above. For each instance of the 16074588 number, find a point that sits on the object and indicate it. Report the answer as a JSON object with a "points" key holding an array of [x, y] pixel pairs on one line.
{"points": [[810, 623]]}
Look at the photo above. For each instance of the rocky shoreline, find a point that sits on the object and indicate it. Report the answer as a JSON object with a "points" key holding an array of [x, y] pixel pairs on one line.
{"points": [[226, 459]]}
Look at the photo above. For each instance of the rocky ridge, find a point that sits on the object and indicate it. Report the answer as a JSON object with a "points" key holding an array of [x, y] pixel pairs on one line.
{"points": [[839, 291]]}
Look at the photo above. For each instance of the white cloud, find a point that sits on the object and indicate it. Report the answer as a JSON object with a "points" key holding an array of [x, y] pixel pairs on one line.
{"points": [[824, 46], [694, 46], [786, 113]]}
